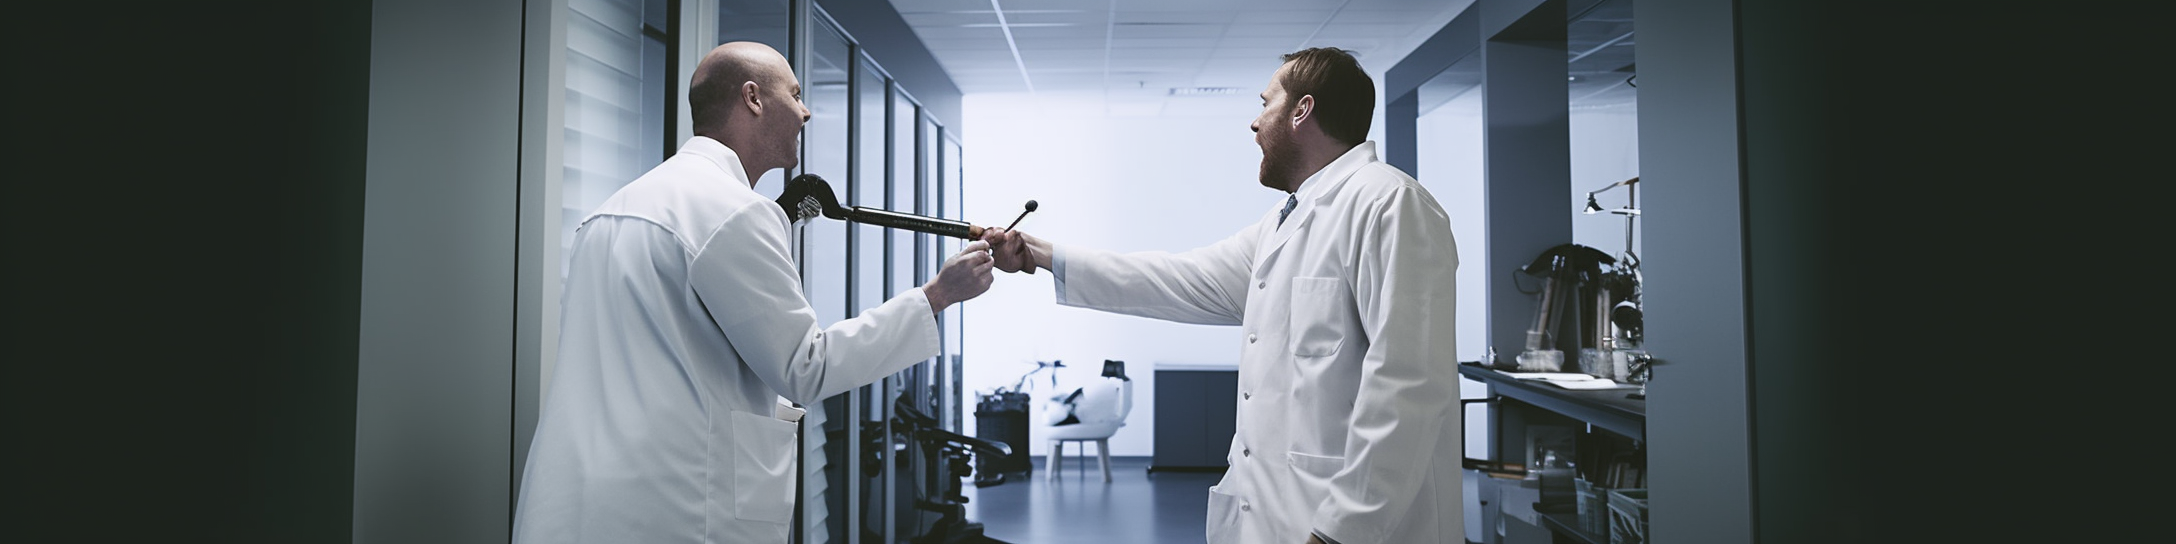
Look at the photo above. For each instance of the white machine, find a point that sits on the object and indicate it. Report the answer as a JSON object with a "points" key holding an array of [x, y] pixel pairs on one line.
{"points": [[1092, 412]]}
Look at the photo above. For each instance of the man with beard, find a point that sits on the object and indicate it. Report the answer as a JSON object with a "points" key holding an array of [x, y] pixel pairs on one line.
{"points": [[1348, 429]]}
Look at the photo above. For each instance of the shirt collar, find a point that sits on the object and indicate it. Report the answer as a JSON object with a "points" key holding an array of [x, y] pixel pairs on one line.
{"points": [[1336, 171], [717, 153]]}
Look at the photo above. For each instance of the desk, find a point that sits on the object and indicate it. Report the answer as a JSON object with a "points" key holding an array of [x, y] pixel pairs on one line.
{"points": [[1521, 408], [1609, 409]]}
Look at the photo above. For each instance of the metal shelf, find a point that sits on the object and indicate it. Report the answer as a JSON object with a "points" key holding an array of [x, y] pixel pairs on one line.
{"points": [[1612, 410]]}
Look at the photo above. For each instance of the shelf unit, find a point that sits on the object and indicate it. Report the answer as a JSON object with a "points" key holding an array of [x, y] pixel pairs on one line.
{"points": [[1607, 417]]}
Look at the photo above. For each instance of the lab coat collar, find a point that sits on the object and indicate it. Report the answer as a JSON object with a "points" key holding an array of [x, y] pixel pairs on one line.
{"points": [[1314, 190], [717, 153]]}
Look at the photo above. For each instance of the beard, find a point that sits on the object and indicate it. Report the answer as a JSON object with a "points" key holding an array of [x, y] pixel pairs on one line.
{"points": [[1280, 163]]}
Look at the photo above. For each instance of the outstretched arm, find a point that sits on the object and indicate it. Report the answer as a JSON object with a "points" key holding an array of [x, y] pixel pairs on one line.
{"points": [[1206, 285], [747, 283]]}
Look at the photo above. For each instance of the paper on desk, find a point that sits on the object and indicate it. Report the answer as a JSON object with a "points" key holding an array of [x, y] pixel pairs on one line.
{"points": [[1591, 384], [1552, 376], [1571, 380]]}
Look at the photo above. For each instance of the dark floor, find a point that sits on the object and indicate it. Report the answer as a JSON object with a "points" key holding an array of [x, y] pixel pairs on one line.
{"points": [[1135, 508]]}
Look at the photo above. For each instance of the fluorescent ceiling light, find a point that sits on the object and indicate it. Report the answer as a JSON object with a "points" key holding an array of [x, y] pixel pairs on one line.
{"points": [[1198, 91]]}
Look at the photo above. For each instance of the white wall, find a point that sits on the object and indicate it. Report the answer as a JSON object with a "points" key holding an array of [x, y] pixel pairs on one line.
{"points": [[1167, 183], [1449, 141], [1605, 150]]}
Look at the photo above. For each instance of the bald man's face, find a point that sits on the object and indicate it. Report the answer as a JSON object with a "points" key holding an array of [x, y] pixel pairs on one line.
{"points": [[782, 118], [745, 96]]}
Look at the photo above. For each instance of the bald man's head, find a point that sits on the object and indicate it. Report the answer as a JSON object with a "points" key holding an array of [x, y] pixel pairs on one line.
{"points": [[744, 95], [719, 78]]}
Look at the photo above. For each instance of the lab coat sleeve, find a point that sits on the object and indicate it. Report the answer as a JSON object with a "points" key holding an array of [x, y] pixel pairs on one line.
{"points": [[745, 279], [1409, 374], [1206, 285]]}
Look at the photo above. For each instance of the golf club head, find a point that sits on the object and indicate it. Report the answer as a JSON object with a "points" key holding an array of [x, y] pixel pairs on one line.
{"points": [[807, 196]]}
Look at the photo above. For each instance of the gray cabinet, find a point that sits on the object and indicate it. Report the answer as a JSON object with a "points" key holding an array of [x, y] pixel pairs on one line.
{"points": [[1196, 410]]}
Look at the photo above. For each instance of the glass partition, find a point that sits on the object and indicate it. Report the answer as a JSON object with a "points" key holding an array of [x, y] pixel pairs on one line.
{"points": [[826, 270], [764, 21], [1603, 126], [617, 86], [955, 321], [925, 179], [903, 194], [867, 188], [868, 185], [824, 150], [927, 259]]}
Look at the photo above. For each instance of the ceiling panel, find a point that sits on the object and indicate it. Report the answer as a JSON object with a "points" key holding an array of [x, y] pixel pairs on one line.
{"points": [[1423, 5], [1166, 47], [1032, 5], [1096, 16], [1402, 18], [1138, 50], [1059, 43], [1189, 16], [1124, 31], [940, 19], [1300, 16], [1294, 32], [1095, 32], [1374, 31], [918, 6]]}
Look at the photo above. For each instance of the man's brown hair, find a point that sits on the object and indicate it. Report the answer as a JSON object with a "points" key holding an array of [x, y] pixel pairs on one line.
{"points": [[1344, 94]]}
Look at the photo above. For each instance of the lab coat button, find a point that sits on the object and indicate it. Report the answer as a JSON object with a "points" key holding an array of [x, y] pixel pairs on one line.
{"points": [[1246, 508], [1250, 338], [1246, 453], [1246, 396], [1261, 285]]}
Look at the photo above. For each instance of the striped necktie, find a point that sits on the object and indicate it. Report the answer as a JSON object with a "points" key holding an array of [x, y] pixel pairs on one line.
{"points": [[1289, 203]]}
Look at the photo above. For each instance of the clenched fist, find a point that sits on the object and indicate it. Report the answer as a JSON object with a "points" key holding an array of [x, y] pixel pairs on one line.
{"points": [[1016, 251], [965, 276]]}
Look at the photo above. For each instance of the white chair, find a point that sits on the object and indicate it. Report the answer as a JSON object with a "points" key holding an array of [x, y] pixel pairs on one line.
{"points": [[1088, 414]]}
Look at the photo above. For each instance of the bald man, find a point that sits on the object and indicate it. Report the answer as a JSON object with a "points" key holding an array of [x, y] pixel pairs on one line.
{"points": [[685, 334]]}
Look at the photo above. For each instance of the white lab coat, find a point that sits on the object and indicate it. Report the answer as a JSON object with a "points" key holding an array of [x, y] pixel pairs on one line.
{"points": [[1348, 380], [684, 323]]}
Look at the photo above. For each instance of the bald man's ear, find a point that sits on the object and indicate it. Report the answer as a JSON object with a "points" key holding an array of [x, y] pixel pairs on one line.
{"points": [[751, 96], [1304, 109]]}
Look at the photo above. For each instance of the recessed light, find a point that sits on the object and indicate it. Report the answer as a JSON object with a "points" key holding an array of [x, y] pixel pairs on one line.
{"points": [[1192, 91]]}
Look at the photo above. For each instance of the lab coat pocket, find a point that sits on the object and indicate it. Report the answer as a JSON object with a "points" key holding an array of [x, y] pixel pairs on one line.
{"points": [[1224, 523], [763, 468], [1315, 327], [1314, 473]]}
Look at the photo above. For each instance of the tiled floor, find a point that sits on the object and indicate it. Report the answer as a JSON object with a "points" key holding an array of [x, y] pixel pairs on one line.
{"points": [[1135, 508]]}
